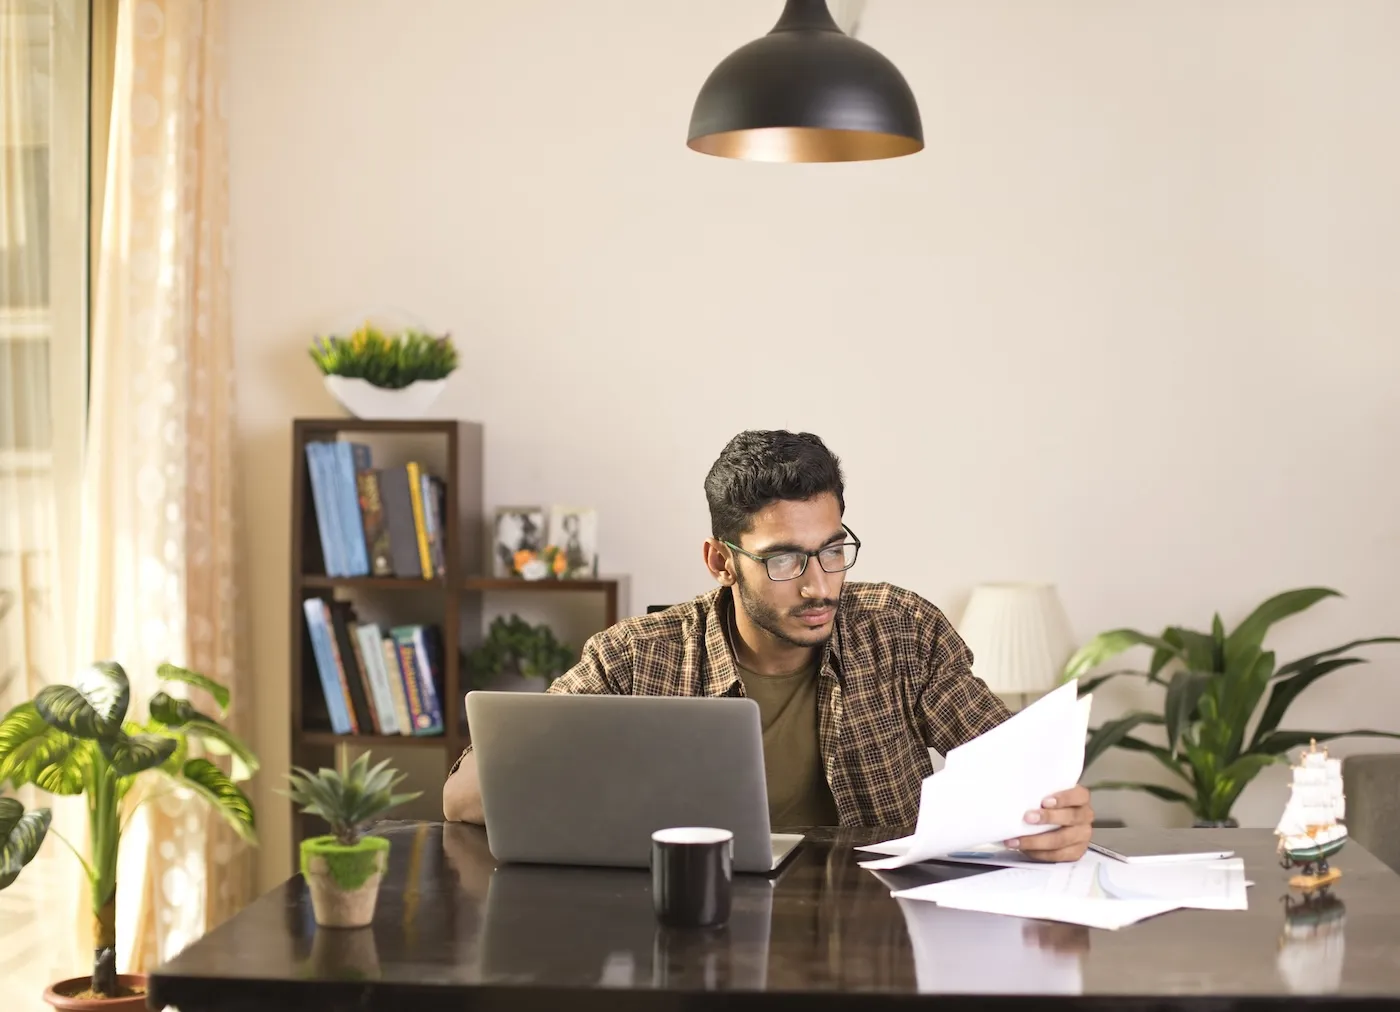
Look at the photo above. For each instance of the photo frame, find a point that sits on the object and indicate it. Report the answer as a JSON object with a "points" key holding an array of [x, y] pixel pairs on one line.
{"points": [[573, 534], [518, 540]]}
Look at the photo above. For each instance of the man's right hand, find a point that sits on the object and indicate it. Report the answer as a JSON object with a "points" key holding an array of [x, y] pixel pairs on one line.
{"points": [[461, 795]]}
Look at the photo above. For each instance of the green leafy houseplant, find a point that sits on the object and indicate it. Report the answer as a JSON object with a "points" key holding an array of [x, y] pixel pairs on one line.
{"points": [[343, 869], [1213, 684], [513, 646], [21, 835], [385, 361], [78, 739]]}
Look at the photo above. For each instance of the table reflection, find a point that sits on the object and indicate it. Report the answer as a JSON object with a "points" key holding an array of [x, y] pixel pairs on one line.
{"points": [[596, 926], [839, 928], [1312, 944]]}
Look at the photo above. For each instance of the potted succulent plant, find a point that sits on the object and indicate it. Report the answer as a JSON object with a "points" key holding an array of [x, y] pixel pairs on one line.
{"points": [[80, 739], [343, 869], [377, 375], [1213, 683]]}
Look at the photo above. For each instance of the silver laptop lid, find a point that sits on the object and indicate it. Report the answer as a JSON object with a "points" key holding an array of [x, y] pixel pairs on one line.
{"points": [[584, 779]]}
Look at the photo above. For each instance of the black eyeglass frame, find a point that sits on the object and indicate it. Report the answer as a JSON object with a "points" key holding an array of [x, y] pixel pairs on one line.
{"points": [[807, 557]]}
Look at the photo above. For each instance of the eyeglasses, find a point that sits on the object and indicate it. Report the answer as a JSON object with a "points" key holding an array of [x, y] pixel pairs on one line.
{"points": [[790, 565]]}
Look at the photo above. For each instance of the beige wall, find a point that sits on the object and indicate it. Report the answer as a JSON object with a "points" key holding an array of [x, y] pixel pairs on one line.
{"points": [[1126, 324]]}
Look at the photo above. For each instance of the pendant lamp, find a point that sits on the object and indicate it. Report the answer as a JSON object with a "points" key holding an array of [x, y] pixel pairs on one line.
{"points": [[806, 92]]}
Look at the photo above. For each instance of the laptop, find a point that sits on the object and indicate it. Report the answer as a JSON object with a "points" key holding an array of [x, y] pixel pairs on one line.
{"points": [[585, 779]]}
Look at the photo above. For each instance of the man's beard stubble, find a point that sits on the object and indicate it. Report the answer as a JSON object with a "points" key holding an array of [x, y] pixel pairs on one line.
{"points": [[769, 619]]}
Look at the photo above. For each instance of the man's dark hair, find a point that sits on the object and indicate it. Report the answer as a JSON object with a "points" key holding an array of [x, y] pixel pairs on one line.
{"points": [[758, 468]]}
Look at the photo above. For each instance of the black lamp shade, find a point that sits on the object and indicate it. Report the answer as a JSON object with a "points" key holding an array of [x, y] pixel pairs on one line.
{"points": [[806, 92]]}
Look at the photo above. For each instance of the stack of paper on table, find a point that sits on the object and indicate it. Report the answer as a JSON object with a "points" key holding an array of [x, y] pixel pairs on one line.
{"points": [[979, 800], [1095, 890], [987, 785]]}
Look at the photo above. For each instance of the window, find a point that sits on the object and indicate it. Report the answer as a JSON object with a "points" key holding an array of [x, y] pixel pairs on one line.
{"points": [[45, 155]]}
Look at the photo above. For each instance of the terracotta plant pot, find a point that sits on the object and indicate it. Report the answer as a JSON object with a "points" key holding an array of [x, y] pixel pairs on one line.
{"points": [[344, 881], [57, 995]]}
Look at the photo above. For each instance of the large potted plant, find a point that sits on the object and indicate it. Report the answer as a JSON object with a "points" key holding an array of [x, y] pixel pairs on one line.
{"points": [[80, 739], [518, 655], [343, 870], [377, 375], [1216, 737]]}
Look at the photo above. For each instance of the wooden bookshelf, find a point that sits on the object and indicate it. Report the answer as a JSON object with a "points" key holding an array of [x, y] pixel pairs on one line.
{"points": [[453, 601], [609, 587]]}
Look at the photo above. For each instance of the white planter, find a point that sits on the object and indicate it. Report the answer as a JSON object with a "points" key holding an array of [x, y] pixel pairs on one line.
{"points": [[335, 907], [365, 400]]}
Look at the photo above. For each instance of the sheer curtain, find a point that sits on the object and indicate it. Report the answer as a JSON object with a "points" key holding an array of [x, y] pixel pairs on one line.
{"points": [[157, 574], [43, 276]]}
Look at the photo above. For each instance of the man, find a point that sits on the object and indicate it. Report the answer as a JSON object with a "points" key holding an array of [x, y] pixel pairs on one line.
{"points": [[854, 681]]}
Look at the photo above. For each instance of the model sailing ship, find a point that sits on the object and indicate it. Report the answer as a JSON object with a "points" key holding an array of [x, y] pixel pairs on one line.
{"points": [[1311, 828]]}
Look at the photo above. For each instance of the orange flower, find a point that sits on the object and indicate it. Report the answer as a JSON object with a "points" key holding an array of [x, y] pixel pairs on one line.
{"points": [[521, 557], [560, 564]]}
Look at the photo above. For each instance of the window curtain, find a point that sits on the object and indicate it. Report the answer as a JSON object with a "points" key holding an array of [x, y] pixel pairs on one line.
{"points": [[43, 187], [157, 578]]}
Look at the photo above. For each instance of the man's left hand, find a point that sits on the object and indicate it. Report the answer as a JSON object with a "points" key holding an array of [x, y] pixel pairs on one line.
{"points": [[1070, 813]]}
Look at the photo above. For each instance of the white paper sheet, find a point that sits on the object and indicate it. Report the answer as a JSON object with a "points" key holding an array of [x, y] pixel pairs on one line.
{"points": [[1095, 891], [992, 855], [1202, 885], [988, 784]]}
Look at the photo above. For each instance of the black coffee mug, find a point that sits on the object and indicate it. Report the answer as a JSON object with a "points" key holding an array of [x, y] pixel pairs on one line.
{"points": [[692, 873]]}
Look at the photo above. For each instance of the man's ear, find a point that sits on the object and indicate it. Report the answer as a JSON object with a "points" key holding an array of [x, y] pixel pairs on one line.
{"points": [[719, 562]]}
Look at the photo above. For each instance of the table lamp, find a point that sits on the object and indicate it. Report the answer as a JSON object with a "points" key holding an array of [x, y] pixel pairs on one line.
{"points": [[1019, 635]]}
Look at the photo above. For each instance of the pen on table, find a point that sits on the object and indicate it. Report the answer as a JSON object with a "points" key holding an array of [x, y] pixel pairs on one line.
{"points": [[1213, 855]]}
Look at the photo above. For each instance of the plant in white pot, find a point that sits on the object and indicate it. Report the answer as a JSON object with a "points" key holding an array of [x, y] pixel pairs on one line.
{"points": [[381, 376], [343, 869]]}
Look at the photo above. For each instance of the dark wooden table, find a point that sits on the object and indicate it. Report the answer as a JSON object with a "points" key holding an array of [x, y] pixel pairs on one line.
{"points": [[454, 931]]}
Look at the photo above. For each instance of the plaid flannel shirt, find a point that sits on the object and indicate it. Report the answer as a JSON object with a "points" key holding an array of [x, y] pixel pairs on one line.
{"points": [[895, 680]]}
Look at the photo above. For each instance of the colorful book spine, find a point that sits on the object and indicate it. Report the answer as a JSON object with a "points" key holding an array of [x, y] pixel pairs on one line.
{"points": [[420, 523], [398, 514], [339, 659], [438, 512], [371, 655], [404, 651], [416, 673], [425, 646], [396, 675], [431, 530], [393, 677], [324, 500], [348, 459], [376, 716], [354, 679], [322, 646], [381, 561]]}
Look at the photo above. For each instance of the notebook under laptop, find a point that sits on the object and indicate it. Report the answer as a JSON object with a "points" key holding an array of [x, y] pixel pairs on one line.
{"points": [[586, 780]]}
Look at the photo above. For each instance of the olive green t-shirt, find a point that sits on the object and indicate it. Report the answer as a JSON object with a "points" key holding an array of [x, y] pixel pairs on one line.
{"points": [[798, 794]]}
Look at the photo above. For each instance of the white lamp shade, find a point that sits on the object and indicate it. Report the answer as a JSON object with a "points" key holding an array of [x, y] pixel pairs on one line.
{"points": [[1019, 635]]}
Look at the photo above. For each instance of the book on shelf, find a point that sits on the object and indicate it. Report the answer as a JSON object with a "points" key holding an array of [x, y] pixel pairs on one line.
{"points": [[420, 657], [375, 682], [376, 521]]}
